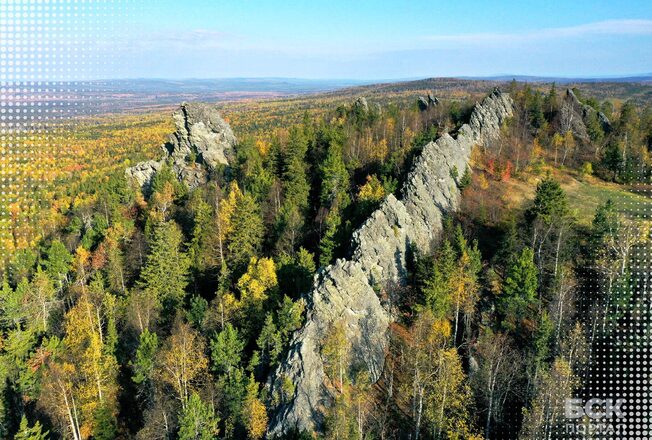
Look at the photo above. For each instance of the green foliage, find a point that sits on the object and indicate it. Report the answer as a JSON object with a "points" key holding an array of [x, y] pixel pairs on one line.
{"points": [[25, 432], [247, 235], [197, 312], [466, 179], [328, 242], [550, 202], [437, 288], [295, 177], [233, 389], [519, 293], [295, 273], [166, 176], [269, 342], [334, 179], [105, 424], [199, 249], [165, 275], [275, 334], [58, 261], [594, 128], [226, 351], [143, 365], [537, 117], [197, 421], [612, 159]]}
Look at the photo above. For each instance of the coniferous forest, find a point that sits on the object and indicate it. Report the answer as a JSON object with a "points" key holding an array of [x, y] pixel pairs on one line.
{"points": [[164, 311]]}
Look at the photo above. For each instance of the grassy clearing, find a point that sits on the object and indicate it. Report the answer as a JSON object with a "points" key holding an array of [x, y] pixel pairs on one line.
{"points": [[585, 194]]}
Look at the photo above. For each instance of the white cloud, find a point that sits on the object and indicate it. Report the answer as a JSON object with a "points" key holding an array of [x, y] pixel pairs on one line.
{"points": [[607, 27]]}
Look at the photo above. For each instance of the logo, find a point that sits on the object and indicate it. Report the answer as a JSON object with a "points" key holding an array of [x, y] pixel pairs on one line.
{"points": [[595, 408], [598, 416]]}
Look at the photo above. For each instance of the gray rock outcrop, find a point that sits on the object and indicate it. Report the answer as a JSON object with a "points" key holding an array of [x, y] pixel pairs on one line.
{"points": [[575, 116], [425, 102], [348, 290], [432, 100], [202, 142], [361, 105]]}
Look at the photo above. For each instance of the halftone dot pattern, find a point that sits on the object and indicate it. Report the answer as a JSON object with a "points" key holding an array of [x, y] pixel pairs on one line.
{"points": [[620, 327], [50, 71]]}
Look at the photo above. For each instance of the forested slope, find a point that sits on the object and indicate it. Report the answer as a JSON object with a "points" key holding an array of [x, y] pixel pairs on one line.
{"points": [[162, 311]]}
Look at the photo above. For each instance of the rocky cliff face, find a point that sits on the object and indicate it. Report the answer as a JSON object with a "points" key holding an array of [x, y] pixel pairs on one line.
{"points": [[577, 115], [202, 141], [347, 290]]}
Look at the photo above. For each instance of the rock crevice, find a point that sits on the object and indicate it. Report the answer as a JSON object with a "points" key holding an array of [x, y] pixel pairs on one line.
{"points": [[348, 290]]}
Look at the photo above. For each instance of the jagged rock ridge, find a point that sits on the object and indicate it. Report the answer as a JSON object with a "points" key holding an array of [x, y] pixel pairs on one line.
{"points": [[202, 141], [347, 290], [576, 115]]}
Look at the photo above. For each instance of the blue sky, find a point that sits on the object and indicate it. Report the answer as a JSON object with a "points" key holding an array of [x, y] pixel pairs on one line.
{"points": [[380, 39]]}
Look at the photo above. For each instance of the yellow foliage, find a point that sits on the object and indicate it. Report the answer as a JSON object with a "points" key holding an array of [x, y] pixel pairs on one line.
{"points": [[263, 147], [225, 211], [537, 150], [255, 418], [372, 190], [259, 278], [95, 370], [182, 360]]}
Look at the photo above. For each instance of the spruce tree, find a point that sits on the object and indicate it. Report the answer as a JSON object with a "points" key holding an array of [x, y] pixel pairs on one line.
{"points": [[165, 275]]}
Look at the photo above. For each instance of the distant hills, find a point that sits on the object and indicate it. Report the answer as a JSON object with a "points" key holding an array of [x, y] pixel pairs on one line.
{"points": [[642, 78], [147, 94]]}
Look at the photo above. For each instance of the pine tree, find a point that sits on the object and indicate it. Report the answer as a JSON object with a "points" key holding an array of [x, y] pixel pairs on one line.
{"points": [[334, 179], [165, 275], [519, 289], [226, 351], [295, 177], [199, 250], [25, 432], [437, 289], [612, 158], [328, 241], [246, 235], [58, 263], [143, 365]]}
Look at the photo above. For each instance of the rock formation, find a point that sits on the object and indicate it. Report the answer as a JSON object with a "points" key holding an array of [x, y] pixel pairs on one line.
{"points": [[575, 116], [361, 105], [347, 291], [202, 141], [425, 102]]}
